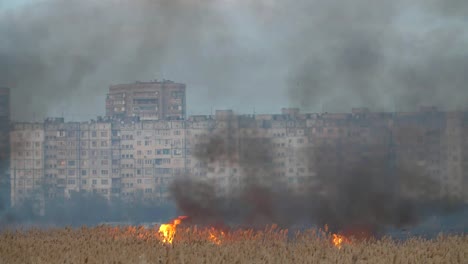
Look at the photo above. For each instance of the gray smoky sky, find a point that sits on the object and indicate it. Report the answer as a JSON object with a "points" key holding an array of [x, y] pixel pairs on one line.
{"points": [[61, 56]]}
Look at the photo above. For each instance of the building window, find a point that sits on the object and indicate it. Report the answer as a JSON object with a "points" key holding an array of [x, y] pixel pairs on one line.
{"points": [[104, 182], [94, 182]]}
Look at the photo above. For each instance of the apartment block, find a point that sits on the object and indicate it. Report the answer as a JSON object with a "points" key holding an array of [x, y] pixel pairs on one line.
{"points": [[26, 161], [156, 100], [138, 159], [78, 157]]}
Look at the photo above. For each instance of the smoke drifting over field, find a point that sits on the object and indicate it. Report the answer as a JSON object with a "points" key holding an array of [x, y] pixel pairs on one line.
{"points": [[317, 54], [371, 191], [331, 55]]}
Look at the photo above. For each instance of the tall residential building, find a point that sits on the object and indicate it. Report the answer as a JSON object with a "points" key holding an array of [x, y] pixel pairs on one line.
{"points": [[156, 100], [78, 157], [4, 147], [27, 161], [139, 158]]}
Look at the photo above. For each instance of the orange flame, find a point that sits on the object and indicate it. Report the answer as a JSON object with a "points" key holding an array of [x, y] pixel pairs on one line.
{"points": [[215, 236], [338, 240], [168, 231]]}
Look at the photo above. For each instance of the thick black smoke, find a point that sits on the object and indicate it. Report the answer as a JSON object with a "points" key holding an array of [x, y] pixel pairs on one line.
{"points": [[59, 55], [350, 184], [384, 56], [250, 191]]}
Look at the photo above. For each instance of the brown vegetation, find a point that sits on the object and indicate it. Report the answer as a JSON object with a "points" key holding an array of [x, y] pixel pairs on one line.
{"points": [[105, 244]]}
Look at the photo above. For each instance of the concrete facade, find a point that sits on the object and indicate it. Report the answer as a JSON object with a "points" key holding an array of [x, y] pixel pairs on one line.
{"points": [[139, 158], [156, 100]]}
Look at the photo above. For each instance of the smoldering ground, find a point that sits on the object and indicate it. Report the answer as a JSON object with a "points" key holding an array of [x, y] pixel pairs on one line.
{"points": [[368, 188], [59, 55]]}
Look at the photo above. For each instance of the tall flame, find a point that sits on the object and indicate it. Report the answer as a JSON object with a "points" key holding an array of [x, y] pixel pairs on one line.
{"points": [[167, 231]]}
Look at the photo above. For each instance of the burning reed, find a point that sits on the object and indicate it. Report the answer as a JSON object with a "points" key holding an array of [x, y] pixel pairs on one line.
{"points": [[105, 244]]}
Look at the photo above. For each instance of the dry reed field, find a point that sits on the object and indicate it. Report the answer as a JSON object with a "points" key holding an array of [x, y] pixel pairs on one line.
{"points": [[105, 244]]}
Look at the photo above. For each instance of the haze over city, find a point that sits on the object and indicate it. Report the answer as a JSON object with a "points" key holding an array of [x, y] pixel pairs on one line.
{"points": [[326, 131], [58, 56]]}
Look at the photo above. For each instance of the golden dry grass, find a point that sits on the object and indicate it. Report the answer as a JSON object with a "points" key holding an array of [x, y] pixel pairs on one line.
{"points": [[139, 245]]}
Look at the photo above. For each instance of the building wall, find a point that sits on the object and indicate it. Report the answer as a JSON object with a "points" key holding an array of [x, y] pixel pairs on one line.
{"points": [[157, 100], [78, 157], [27, 160], [139, 159]]}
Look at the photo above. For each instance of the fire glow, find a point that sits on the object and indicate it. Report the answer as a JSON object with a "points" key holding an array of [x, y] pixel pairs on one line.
{"points": [[338, 240], [168, 231], [216, 236]]}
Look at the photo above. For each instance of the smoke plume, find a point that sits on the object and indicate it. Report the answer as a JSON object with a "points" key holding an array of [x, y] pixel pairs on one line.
{"points": [[349, 183], [60, 55]]}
